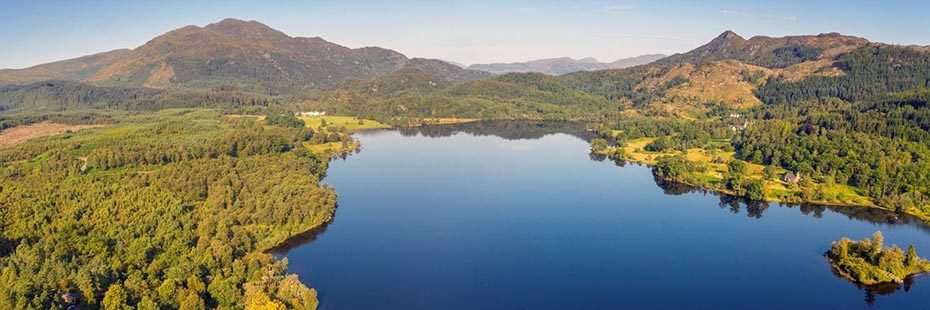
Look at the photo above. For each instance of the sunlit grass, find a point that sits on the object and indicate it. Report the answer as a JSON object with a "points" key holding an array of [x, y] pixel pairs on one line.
{"points": [[349, 122]]}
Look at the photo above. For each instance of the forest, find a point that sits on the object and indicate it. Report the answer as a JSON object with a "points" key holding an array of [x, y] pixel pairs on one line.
{"points": [[167, 210]]}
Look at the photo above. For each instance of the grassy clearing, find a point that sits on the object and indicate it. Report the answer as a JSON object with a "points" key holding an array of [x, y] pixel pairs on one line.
{"points": [[22, 133], [330, 148], [333, 122], [442, 121]]}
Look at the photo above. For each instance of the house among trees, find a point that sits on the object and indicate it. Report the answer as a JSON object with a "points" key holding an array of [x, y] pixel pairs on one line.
{"points": [[312, 113], [792, 177], [69, 299]]}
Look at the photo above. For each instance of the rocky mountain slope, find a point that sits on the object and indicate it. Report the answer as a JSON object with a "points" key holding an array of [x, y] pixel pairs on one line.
{"points": [[72, 69], [236, 54]]}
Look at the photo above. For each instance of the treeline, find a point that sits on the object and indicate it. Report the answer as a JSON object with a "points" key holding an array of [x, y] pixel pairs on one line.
{"points": [[416, 93], [763, 56], [85, 117], [868, 71], [169, 210], [61, 96]]}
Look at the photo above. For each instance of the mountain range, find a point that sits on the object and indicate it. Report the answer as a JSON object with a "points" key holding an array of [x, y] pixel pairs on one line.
{"points": [[563, 65], [249, 63], [727, 73], [242, 54]]}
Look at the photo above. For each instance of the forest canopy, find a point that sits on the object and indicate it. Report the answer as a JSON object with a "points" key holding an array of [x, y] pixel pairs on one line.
{"points": [[165, 210]]}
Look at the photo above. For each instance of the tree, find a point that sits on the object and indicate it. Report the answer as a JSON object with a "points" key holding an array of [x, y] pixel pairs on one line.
{"points": [[911, 257], [769, 172], [115, 298], [755, 189], [598, 144], [737, 166], [191, 301], [878, 244], [146, 304]]}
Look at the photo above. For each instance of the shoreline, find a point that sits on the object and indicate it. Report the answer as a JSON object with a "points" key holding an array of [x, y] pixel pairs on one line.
{"points": [[924, 219]]}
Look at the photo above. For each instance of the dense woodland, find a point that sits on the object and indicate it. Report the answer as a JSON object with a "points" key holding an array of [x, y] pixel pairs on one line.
{"points": [[165, 210], [869, 71]]}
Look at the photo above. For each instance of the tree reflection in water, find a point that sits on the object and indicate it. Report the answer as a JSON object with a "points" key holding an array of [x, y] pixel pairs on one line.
{"points": [[508, 130], [755, 209], [301, 238], [883, 289], [520, 130]]}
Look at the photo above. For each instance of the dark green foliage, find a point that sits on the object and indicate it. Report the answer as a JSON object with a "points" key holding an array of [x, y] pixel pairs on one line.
{"points": [[677, 168], [869, 71], [61, 96], [660, 144], [416, 93], [284, 120], [754, 189]]}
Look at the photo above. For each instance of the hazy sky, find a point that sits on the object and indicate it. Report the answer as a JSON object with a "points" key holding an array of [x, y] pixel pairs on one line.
{"points": [[34, 32]]}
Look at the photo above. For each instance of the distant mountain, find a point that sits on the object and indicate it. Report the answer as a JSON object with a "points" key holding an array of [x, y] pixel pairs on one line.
{"points": [[243, 55], [72, 69], [563, 65], [460, 65], [635, 61], [769, 52]]}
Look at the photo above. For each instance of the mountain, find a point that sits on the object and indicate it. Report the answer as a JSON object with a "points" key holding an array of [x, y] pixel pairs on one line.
{"points": [[460, 65], [563, 65], [247, 55], [728, 70], [727, 73], [770, 52], [72, 69], [635, 61]]}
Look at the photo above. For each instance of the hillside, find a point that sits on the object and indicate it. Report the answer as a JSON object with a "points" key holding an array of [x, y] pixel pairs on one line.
{"points": [[72, 69], [725, 72], [563, 65], [245, 55], [728, 72]]}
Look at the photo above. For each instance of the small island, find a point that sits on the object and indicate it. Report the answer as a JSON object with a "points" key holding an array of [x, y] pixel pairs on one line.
{"points": [[869, 262]]}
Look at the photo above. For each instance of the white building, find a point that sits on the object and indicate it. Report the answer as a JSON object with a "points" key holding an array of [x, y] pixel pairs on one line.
{"points": [[312, 113]]}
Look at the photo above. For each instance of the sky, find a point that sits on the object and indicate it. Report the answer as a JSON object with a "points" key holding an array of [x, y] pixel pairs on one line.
{"points": [[467, 32]]}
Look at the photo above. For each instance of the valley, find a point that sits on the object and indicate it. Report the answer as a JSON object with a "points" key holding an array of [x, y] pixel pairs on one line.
{"points": [[171, 175]]}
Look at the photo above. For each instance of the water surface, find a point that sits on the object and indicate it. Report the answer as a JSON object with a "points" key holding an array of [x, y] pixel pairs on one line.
{"points": [[518, 215]]}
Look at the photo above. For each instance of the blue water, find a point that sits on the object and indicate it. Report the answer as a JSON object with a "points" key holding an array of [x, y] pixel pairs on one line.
{"points": [[459, 218]]}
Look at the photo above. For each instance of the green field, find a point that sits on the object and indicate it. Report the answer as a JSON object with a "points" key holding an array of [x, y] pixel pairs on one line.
{"points": [[334, 122]]}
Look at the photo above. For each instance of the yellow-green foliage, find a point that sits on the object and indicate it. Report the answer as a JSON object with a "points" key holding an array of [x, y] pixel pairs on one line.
{"points": [[870, 262], [710, 170], [340, 123], [173, 210]]}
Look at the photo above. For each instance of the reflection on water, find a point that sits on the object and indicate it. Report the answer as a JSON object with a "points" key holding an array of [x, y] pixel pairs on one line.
{"points": [[508, 130], [756, 209], [418, 231], [884, 289], [300, 239]]}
